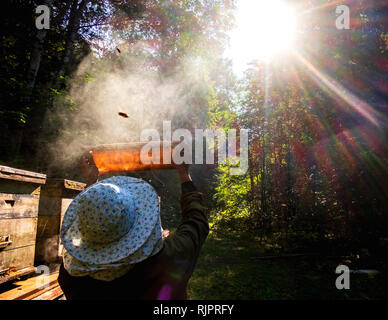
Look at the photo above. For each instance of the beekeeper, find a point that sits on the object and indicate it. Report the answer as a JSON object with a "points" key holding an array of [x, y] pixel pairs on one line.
{"points": [[113, 243]]}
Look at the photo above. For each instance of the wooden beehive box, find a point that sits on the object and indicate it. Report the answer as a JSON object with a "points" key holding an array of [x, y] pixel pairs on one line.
{"points": [[19, 206], [55, 197]]}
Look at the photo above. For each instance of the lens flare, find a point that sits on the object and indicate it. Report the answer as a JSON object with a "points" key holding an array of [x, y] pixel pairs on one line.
{"points": [[264, 29]]}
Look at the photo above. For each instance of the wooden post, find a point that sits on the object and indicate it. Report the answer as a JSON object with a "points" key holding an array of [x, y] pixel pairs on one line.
{"points": [[55, 197], [19, 199]]}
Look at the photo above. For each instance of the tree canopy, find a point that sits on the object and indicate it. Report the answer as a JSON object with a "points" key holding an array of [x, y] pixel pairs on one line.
{"points": [[317, 119]]}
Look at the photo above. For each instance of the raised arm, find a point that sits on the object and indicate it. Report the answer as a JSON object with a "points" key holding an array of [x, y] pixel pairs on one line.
{"points": [[194, 226]]}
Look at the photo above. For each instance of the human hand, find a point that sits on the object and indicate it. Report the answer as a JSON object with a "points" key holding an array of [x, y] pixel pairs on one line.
{"points": [[88, 168], [183, 170]]}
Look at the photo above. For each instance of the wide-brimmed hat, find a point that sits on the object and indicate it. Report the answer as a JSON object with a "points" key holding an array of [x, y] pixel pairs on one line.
{"points": [[114, 219]]}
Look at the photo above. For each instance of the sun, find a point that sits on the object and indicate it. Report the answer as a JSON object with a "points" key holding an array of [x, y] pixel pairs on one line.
{"points": [[264, 29]]}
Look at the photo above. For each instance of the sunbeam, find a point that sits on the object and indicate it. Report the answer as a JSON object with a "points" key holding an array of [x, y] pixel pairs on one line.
{"points": [[334, 87]]}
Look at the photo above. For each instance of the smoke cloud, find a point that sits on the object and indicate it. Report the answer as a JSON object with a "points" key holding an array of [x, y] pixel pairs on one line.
{"points": [[125, 83]]}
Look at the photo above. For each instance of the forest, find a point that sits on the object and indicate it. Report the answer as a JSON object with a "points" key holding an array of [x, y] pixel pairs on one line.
{"points": [[314, 194]]}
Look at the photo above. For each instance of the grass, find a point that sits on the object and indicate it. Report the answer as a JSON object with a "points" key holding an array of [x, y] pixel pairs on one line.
{"points": [[227, 269]]}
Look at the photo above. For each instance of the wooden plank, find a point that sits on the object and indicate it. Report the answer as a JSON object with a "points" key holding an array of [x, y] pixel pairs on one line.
{"points": [[38, 291], [56, 195], [19, 187], [132, 145], [22, 232], [5, 169], [28, 287], [17, 274], [123, 146], [65, 184], [17, 177], [63, 188], [52, 294], [18, 206], [74, 185], [18, 258], [3, 271]]}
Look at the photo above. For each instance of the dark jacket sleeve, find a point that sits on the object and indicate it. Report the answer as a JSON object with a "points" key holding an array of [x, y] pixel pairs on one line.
{"points": [[194, 227]]}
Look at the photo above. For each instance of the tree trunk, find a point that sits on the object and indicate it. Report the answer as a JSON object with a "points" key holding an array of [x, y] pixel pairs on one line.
{"points": [[36, 55], [35, 60], [72, 30]]}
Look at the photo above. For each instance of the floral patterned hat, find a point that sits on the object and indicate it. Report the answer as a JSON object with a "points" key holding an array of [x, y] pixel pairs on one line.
{"points": [[116, 218]]}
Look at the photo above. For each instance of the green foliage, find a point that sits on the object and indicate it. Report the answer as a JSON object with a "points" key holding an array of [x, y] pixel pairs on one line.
{"points": [[306, 182], [232, 193], [317, 164], [230, 268]]}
